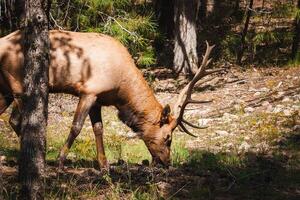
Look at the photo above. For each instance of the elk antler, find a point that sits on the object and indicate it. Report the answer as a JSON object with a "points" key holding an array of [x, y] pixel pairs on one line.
{"points": [[187, 92]]}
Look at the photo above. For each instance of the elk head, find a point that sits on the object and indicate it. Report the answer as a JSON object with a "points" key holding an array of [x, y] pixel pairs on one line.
{"points": [[159, 142]]}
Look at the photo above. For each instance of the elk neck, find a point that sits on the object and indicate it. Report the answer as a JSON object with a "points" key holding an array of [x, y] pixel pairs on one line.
{"points": [[139, 109]]}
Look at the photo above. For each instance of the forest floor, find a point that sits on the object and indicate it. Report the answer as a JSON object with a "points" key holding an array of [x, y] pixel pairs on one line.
{"points": [[250, 150]]}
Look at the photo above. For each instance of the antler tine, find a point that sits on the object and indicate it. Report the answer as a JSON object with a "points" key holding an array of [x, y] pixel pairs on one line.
{"points": [[187, 92], [186, 130]]}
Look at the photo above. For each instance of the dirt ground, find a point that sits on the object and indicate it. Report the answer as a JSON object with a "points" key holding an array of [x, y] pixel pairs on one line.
{"points": [[236, 157]]}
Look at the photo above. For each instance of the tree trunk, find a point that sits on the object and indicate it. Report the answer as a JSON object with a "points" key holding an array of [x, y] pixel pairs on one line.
{"points": [[202, 10], [34, 100], [236, 6], [296, 38], [1, 182], [164, 13], [244, 33], [185, 47]]}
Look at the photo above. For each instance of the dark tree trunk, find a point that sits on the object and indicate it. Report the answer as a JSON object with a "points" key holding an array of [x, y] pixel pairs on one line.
{"points": [[9, 15], [164, 14], [1, 182], [296, 38], [185, 47], [236, 6], [34, 100], [203, 10], [240, 53]]}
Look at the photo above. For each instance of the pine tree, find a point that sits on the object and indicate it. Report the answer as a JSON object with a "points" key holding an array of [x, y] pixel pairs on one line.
{"points": [[185, 47], [34, 100]]}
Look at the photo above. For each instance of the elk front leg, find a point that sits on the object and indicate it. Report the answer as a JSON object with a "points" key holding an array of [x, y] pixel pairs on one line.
{"points": [[83, 108], [96, 119]]}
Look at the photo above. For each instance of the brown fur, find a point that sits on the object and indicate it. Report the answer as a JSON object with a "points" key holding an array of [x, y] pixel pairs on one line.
{"points": [[92, 64]]}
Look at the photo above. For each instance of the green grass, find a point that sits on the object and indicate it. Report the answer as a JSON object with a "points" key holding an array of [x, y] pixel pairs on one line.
{"points": [[196, 174]]}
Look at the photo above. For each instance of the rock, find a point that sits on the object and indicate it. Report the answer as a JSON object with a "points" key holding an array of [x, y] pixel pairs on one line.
{"points": [[287, 112], [164, 188], [72, 156], [279, 108], [204, 122], [2, 159], [229, 117], [269, 108], [249, 109], [221, 133], [247, 138], [131, 134], [296, 128], [265, 103], [244, 147], [257, 94], [286, 99], [264, 89]]}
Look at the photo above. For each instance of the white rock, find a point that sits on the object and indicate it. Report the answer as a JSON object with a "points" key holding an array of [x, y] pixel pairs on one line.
{"points": [[72, 155], [2, 158], [244, 146], [278, 109], [269, 108], [229, 117], [131, 134], [204, 122], [287, 112], [265, 103], [286, 99], [221, 133], [257, 94], [249, 109], [296, 128], [264, 89]]}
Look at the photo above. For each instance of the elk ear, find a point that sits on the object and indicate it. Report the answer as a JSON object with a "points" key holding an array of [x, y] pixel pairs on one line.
{"points": [[165, 115]]}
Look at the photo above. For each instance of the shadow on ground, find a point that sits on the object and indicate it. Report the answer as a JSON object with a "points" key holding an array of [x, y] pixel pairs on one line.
{"points": [[203, 175]]}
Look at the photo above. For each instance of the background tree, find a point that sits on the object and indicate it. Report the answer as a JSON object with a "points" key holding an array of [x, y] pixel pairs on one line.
{"points": [[34, 100], [185, 37], [296, 38], [244, 33]]}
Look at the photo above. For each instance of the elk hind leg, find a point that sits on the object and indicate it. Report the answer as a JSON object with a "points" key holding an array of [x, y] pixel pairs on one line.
{"points": [[96, 119], [83, 108]]}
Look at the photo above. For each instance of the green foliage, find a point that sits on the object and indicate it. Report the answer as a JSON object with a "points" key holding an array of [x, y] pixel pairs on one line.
{"points": [[130, 22], [282, 10], [231, 44]]}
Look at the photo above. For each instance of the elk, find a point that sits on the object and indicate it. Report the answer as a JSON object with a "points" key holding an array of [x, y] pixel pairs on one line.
{"points": [[100, 71]]}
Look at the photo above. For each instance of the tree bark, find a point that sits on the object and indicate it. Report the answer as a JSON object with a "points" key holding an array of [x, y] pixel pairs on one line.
{"points": [[185, 47], [296, 38], [34, 99], [202, 10], [244, 33], [164, 14]]}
